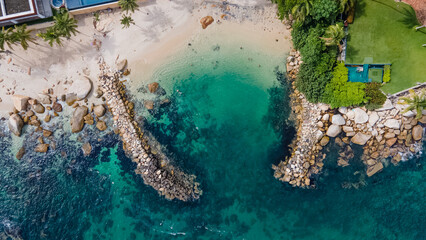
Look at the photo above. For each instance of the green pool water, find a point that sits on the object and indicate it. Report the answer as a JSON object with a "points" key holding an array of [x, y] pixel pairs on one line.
{"points": [[226, 123]]}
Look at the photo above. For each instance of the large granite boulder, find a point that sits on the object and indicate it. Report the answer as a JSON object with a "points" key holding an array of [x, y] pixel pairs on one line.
{"points": [[392, 123], [15, 124], [334, 130], [417, 132], [360, 116], [99, 110], [81, 87], [77, 120], [206, 21], [338, 120], [374, 169], [360, 138], [374, 117], [20, 102]]}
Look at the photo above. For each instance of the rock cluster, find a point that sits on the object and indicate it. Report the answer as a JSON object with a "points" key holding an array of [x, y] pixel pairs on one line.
{"points": [[154, 167], [384, 133]]}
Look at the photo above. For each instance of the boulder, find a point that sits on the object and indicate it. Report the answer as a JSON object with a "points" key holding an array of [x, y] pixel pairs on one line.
{"points": [[409, 114], [81, 87], [15, 124], [87, 149], [391, 141], [206, 21], [389, 135], [20, 102], [360, 138], [324, 107], [153, 87], [334, 130], [38, 108], [20, 153], [393, 123], [99, 93], [374, 169], [319, 135], [57, 107], [338, 120], [324, 141], [417, 132], [45, 99], [42, 148], [70, 98], [99, 110], [423, 119], [121, 65], [374, 117], [386, 106], [360, 116], [149, 104], [343, 110], [77, 120], [326, 117], [350, 115], [348, 129], [101, 125]]}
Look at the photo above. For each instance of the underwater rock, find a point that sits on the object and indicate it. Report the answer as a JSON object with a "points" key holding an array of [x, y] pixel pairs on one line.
{"points": [[374, 169], [57, 107], [149, 104], [101, 125], [20, 153], [15, 124], [77, 120], [99, 110], [87, 149], [42, 148], [153, 87]]}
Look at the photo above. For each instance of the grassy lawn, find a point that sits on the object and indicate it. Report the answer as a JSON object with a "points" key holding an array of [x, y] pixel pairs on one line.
{"points": [[378, 32]]}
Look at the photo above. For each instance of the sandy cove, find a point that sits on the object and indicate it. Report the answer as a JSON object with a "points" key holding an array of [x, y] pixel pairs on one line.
{"points": [[162, 28]]}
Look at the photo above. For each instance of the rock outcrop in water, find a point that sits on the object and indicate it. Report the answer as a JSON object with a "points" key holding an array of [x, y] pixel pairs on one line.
{"points": [[154, 167]]}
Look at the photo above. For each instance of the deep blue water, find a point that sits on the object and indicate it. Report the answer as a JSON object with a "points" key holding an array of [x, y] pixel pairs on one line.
{"points": [[226, 123], [75, 4]]}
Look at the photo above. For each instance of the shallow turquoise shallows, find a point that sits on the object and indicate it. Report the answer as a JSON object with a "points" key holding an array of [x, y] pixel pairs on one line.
{"points": [[226, 123]]}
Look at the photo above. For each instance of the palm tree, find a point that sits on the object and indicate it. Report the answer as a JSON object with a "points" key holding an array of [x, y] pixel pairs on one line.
{"points": [[126, 21], [301, 10], [415, 102], [333, 35], [51, 36], [128, 5], [65, 25], [23, 36], [6, 38], [346, 5]]}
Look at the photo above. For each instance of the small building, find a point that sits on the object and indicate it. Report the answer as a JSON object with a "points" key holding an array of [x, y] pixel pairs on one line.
{"points": [[20, 11], [365, 73]]}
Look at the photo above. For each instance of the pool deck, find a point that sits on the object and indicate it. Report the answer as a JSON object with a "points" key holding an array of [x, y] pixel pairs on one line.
{"points": [[95, 8]]}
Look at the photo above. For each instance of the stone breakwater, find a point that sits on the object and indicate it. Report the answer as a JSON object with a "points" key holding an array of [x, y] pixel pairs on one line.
{"points": [[384, 133], [305, 158], [154, 167]]}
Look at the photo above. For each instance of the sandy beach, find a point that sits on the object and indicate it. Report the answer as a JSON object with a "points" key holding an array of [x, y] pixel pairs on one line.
{"points": [[162, 28]]}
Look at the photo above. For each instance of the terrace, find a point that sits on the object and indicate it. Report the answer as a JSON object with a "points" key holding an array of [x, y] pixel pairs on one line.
{"points": [[19, 11]]}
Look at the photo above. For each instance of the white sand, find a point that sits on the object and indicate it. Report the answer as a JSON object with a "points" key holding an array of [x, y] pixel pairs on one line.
{"points": [[162, 28]]}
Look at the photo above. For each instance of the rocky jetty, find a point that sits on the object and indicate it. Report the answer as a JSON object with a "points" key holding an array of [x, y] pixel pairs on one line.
{"points": [[384, 133], [154, 167]]}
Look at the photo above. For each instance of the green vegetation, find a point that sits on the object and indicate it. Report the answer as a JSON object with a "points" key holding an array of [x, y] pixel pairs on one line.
{"points": [[387, 74], [63, 27], [17, 35], [126, 21], [333, 35], [341, 93], [374, 96], [128, 5], [383, 30], [415, 102]]}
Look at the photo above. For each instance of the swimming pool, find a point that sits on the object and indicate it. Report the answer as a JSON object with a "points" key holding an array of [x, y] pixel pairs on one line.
{"points": [[76, 4]]}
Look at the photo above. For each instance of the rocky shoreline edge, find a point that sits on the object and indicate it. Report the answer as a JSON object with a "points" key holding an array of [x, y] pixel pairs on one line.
{"points": [[155, 168], [384, 133]]}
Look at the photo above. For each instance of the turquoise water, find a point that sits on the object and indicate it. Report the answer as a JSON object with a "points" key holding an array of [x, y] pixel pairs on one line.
{"points": [[227, 124]]}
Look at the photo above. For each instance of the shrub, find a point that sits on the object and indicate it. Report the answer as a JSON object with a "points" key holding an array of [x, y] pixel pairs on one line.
{"points": [[386, 74], [341, 93], [325, 10], [284, 7], [375, 97]]}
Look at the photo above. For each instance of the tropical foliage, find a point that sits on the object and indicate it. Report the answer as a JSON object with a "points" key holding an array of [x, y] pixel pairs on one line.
{"points": [[415, 102], [301, 10], [374, 96], [64, 26], [341, 93], [386, 74], [126, 21], [346, 6], [6, 38], [333, 35], [128, 5], [325, 10], [17, 35]]}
